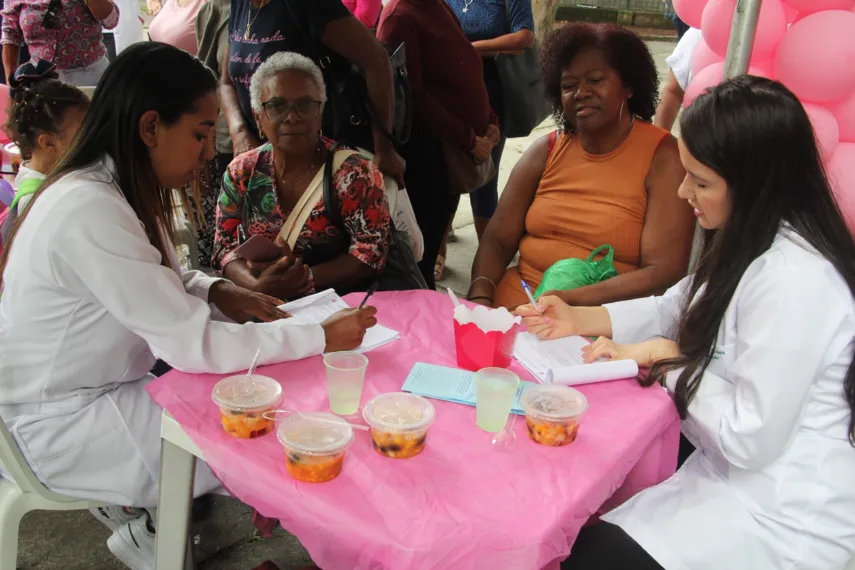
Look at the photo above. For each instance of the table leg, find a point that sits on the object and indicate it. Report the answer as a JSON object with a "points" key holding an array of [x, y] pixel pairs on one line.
{"points": [[175, 499]]}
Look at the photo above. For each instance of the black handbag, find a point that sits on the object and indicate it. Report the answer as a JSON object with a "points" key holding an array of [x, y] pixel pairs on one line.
{"points": [[350, 114], [401, 272], [525, 107]]}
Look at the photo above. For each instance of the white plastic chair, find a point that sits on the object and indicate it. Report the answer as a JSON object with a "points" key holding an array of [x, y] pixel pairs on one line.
{"points": [[22, 495]]}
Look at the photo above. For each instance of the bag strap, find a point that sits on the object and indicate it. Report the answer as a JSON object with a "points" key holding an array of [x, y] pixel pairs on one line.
{"points": [[302, 210], [609, 256], [550, 142], [334, 161], [27, 187]]}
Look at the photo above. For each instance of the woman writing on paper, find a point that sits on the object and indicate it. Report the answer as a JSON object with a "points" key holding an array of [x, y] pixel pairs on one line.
{"points": [[91, 293], [606, 177], [756, 348]]}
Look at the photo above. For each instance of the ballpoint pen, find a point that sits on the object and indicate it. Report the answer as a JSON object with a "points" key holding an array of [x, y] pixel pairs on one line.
{"points": [[528, 294], [370, 292]]}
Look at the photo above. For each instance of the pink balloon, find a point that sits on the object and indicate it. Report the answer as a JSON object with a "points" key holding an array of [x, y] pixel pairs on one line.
{"points": [[811, 6], [845, 115], [791, 12], [708, 77], [816, 57], [690, 11], [841, 174], [764, 68], [824, 127], [718, 17], [703, 57]]}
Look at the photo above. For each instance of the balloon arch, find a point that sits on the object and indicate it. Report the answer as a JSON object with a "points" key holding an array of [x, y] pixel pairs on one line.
{"points": [[809, 46]]}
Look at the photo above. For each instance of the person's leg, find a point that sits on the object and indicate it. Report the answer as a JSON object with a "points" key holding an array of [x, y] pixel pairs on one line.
{"points": [[604, 546], [427, 186], [485, 199], [680, 26], [439, 266], [686, 450]]}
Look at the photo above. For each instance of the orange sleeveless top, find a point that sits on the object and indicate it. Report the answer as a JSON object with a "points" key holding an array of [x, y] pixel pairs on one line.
{"points": [[585, 201]]}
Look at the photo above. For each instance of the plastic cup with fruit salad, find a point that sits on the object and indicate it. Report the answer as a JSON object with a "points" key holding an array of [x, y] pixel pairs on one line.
{"points": [[315, 444], [399, 423], [553, 413], [244, 401]]}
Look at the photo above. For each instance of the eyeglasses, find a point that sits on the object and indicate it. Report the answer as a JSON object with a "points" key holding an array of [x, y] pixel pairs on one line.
{"points": [[50, 19], [280, 108]]}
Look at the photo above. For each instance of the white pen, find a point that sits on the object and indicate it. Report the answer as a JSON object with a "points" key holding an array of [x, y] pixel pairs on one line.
{"points": [[528, 294]]}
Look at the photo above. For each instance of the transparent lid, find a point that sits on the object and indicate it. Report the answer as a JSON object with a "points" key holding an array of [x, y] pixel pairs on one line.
{"points": [[242, 393], [553, 402], [315, 433], [399, 412], [12, 148]]}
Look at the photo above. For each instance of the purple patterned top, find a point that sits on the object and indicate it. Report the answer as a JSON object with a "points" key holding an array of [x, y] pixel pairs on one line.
{"points": [[74, 43]]}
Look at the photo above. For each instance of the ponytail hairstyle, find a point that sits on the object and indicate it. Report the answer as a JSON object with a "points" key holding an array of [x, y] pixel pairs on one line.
{"points": [[39, 101]]}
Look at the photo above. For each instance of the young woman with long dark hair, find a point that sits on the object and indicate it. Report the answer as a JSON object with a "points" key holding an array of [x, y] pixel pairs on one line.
{"points": [[91, 291], [756, 347]]}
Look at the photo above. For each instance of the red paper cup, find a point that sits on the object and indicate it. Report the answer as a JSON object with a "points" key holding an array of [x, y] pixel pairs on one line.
{"points": [[477, 349]]}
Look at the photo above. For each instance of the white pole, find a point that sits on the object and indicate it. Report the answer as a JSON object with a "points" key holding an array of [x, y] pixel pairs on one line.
{"points": [[745, 18]]}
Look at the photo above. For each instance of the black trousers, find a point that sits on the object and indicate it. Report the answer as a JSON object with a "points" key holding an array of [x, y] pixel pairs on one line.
{"points": [[433, 203], [604, 546]]}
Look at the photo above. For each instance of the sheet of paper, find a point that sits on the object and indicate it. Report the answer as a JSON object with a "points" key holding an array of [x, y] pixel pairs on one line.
{"points": [[449, 384], [591, 373], [560, 361], [319, 307]]}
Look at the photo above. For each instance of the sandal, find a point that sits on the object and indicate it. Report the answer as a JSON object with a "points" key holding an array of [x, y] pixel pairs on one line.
{"points": [[439, 268]]}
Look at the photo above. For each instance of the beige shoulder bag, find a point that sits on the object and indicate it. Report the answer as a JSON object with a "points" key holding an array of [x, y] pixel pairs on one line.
{"points": [[303, 209]]}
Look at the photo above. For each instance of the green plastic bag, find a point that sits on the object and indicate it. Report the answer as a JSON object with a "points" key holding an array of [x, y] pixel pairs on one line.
{"points": [[572, 273]]}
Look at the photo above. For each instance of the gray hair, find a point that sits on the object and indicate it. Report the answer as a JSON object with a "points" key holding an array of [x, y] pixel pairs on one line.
{"points": [[284, 61]]}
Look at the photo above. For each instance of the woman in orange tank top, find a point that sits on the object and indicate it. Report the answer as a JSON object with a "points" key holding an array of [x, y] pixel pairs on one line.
{"points": [[607, 177]]}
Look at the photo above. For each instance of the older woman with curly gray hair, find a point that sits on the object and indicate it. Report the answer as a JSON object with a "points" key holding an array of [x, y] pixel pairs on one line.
{"points": [[276, 191]]}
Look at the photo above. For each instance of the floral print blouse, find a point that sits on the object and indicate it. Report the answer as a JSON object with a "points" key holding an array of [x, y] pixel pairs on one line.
{"points": [[75, 42], [249, 197]]}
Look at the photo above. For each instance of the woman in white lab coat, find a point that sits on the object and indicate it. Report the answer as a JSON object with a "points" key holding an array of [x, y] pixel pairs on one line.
{"points": [[91, 293], [756, 348]]}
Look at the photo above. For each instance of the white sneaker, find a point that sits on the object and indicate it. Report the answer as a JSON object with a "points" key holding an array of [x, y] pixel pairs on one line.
{"points": [[113, 516], [133, 544]]}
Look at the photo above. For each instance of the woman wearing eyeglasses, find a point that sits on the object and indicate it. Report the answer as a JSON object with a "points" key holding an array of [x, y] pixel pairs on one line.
{"points": [[65, 32], [266, 189]]}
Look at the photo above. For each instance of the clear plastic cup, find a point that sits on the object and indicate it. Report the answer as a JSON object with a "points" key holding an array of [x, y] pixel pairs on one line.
{"points": [[244, 401], [315, 444], [553, 413], [345, 377], [399, 423], [495, 393], [14, 154]]}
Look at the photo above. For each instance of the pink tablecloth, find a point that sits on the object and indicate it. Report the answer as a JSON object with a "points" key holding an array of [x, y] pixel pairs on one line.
{"points": [[460, 504]]}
